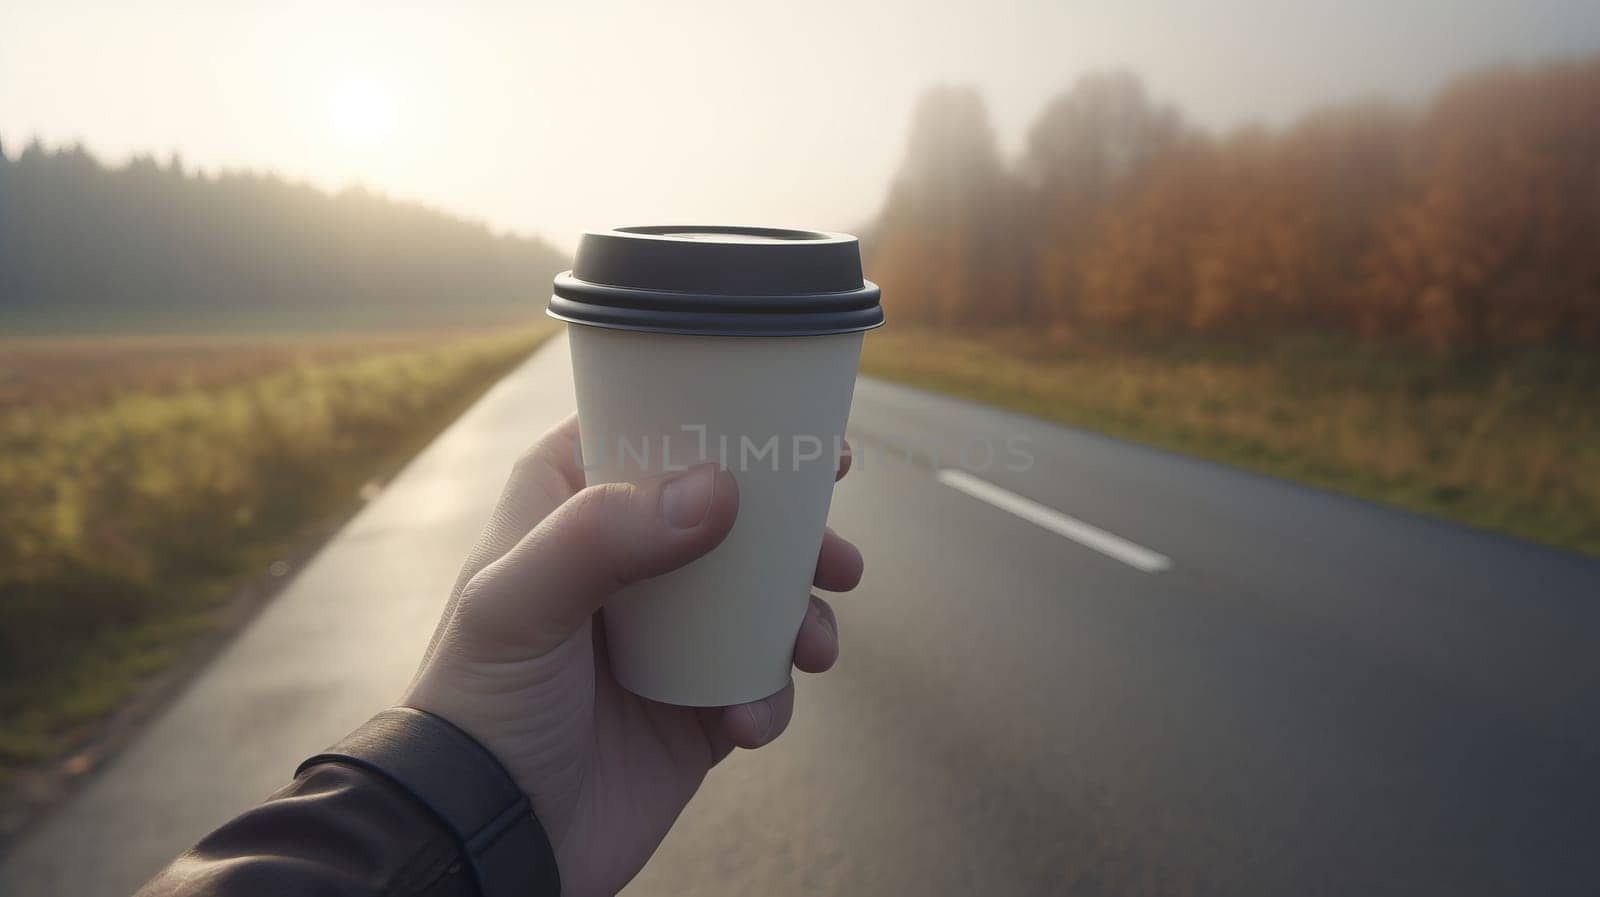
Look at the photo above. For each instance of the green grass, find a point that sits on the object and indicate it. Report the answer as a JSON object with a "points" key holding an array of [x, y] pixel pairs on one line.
{"points": [[131, 511], [1510, 444]]}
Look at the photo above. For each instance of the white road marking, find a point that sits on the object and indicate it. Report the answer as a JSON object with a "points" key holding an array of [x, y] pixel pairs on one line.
{"points": [[1087, 535]]}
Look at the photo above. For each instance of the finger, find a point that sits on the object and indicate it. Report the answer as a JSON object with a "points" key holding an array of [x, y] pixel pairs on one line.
{"points": [[546, 475], [844, 460], [817, 646], [600, 540], [758, 723], [839, 564], [560, 446]]}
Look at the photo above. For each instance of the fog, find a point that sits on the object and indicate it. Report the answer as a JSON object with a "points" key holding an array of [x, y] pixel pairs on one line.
{"points": [[547, 119]]}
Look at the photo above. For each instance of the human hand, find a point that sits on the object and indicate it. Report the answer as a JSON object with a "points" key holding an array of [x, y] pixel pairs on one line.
{"points": [[519, 659]]}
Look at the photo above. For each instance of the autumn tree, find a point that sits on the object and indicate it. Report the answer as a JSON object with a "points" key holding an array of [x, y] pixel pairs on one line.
{"points": [[1138, 273], [1087, 151], [945, 251], [1499, 241], [1293, 216], [1471, 224]]}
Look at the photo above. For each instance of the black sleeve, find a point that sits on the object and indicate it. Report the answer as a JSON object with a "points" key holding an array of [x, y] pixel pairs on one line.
{"points": [[406, 805]]}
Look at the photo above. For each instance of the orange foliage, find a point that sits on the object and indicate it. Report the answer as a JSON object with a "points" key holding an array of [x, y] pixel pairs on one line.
{"points": [[1473, 225], [1498, 239]]}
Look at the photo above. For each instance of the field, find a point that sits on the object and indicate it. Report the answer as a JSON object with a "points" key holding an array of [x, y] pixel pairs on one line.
{"points": [[142, 480], [1510, 443]]}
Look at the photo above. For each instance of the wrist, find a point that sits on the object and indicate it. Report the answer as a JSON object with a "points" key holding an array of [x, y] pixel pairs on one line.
{"points": [[465, 789]]}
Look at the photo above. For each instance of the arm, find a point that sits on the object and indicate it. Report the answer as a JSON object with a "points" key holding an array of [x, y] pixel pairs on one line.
{"points": [[406, 805], [545, 762]]}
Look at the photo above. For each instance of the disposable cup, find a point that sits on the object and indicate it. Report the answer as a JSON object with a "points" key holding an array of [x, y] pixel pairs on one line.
{"points": [[725, 344]]}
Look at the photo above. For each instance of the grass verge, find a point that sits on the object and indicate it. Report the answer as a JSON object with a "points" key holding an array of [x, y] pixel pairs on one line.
{"points": [[1510, 444], [130, 513]]}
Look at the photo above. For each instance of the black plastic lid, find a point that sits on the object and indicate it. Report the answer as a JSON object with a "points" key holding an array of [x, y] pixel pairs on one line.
{"points": [[725, 281]]}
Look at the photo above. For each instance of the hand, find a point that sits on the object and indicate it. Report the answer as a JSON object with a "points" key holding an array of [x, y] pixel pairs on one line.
{"points": [[519, 659]]}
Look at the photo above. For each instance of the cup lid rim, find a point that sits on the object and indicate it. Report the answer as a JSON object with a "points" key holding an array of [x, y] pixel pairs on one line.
{"points": [[718, 279], [776, 236]]}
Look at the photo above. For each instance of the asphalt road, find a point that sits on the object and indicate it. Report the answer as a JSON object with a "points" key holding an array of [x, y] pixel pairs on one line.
{"points": [[1117, 671]]}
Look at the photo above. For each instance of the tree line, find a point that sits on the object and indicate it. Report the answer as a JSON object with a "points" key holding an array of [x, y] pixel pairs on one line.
{"points": [[149, 244], [1470, 224]]}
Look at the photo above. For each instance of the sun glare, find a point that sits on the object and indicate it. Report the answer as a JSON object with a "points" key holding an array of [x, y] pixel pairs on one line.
{"points": [[362, 110]]}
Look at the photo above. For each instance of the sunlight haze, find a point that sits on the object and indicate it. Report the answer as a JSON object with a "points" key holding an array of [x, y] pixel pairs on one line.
{"points": [[547, 119]]}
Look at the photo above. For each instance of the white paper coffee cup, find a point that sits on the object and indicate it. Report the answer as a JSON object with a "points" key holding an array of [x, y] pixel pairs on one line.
{"points": [[726, 344]]}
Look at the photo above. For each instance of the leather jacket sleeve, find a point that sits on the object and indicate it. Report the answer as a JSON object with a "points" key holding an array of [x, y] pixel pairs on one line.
{"points": [[406, 805], [334, 830]]}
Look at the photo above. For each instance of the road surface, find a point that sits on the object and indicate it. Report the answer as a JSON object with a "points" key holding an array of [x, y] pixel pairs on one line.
{"points": [[1118, 671]]}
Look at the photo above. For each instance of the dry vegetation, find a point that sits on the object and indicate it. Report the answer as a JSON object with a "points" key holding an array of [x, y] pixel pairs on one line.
{"points": [[80, 372], [140, 478], [1510, 444]]}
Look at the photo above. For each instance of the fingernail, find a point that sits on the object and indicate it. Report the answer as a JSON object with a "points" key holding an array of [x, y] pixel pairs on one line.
{"points": [[827, 620], [761, 719], [686, 498]]}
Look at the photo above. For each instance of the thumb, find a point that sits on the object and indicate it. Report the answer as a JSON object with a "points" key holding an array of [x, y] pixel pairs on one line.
{"points": [[598, 541]]}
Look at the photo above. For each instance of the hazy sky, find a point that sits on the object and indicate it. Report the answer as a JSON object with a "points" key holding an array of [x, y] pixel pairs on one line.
{"points": [[549, 118]]}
